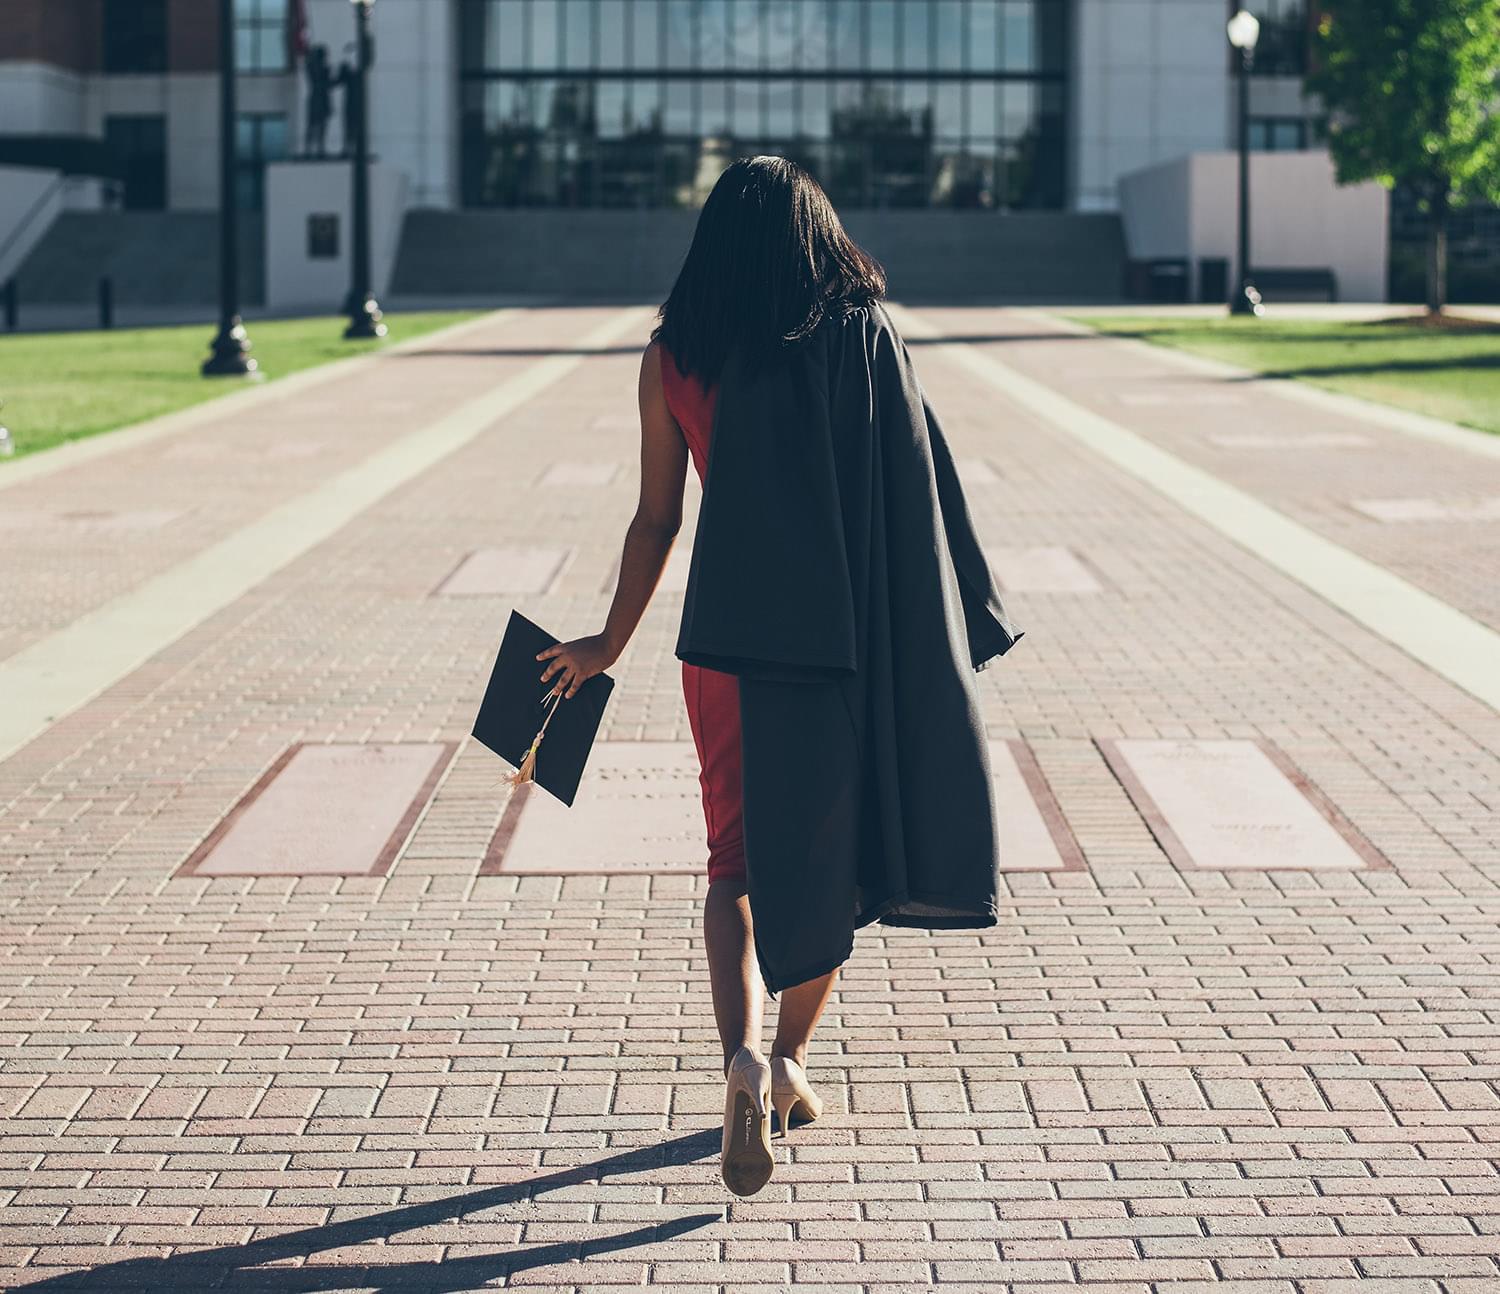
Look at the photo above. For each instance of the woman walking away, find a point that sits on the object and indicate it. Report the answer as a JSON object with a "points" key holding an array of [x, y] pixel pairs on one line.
{"points": [[837, 606]]}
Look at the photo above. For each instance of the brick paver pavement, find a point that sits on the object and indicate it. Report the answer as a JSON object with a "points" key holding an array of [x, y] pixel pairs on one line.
{"points": [[1149, 1077]]}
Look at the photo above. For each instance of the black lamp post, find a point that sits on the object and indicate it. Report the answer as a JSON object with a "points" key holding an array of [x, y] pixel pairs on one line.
{"points": [[364, 310], [1244, 31], [231, 348]]}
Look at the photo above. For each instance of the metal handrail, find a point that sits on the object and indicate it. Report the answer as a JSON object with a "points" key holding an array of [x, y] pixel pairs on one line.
{"points": [[31, 214]]}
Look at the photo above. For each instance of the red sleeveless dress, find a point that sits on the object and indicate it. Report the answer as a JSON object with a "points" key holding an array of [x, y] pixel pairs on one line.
{"points": [[713, 699]]}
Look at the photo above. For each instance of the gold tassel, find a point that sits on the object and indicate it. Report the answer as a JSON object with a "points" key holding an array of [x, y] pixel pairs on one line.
{"points": [[527, 769]]}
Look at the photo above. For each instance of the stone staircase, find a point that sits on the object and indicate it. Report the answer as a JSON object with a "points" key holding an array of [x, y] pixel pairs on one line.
{"points": [[930, 256], [156, 258]]}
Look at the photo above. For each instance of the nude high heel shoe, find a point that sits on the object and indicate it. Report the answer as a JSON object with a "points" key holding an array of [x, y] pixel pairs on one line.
{"points": [[745, 1160], [791, 1094]]}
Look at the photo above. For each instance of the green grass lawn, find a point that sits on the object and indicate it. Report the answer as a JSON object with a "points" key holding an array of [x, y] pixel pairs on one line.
{"points": [[63, 386], [1450, 370]]}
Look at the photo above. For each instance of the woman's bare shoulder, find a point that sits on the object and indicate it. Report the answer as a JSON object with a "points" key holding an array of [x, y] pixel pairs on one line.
{"points": [[651, 363]]}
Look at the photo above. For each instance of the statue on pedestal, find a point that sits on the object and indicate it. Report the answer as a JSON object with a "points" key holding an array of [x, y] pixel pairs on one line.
{"points": [[320, 84]]}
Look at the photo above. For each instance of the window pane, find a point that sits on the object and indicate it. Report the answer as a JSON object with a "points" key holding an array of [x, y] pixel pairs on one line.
{"points": [[578, 34], [984, 36], [645, 33], [948, 108], [714, 34], [1017, 36], [273, 137], [713, 107], [917, 106], [610, 98], [816, 40], [500, 32], [882, 15], [746, 47], [983, 104], [781, 115], [950, 35], [544, 33], [848, 34], [916, 35], [779, 35], [814, 111], [780, 31], [678, 116], [744, 109], [611, 33], [681, 33], [1016, 110], [645, 105]]}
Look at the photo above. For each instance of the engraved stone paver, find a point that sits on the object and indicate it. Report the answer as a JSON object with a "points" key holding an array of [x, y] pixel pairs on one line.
{"points": [[674, 574], [1227, 804], [506, 570], [639, 808], [976, 471], [326, 810], [1040, 570], [572, 474], [1033, 835], [1190, 395], [1430, 509], [1271, 440]]}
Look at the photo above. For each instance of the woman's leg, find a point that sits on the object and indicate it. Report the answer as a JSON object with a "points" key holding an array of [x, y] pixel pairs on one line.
{"points": [[733, 972], [801, 1006]]}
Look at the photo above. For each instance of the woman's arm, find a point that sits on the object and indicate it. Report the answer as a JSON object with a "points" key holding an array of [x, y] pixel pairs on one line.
{"points": [[648, 540]]}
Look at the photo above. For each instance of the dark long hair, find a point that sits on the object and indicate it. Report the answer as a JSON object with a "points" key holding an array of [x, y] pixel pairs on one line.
{"points": [[768, 263]]}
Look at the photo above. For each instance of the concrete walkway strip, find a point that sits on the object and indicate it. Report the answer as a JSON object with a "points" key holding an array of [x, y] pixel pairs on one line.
{"points": [[1436, 634], [234, 399], [57, 674], [1484, 443]]}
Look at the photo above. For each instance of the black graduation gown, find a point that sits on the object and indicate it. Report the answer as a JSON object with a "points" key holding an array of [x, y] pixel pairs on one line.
{"points": [[835, 570]]}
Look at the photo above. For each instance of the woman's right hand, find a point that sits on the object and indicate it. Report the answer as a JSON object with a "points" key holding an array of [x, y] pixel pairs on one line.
{"points": [[576, 662]]}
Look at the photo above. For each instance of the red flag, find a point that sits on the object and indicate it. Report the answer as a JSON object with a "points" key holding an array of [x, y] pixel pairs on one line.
{"points": [[297, 35]]}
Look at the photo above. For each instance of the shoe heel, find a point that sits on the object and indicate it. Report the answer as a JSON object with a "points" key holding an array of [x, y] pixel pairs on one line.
{"points": [[784, 1104], [746, 1160]]}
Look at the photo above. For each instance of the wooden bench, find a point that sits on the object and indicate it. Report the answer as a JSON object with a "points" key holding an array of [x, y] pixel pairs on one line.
{"points": [[1296, 284]]}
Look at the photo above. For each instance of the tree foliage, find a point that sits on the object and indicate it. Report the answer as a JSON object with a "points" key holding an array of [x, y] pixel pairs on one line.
{"points": [[1412, 96], [1411, 90]]}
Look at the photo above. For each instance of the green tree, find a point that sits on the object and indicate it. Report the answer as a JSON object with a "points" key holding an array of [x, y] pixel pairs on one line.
{"points": [[1411, 91]]}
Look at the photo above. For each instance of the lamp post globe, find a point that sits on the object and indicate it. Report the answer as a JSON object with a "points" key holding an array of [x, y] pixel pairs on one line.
{"points": [[1244, 31], [364, 310]]}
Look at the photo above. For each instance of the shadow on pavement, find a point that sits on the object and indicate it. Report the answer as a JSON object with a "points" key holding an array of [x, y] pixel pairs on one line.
{"points": [[1454, 363], [241, 1269], [494, 352]]}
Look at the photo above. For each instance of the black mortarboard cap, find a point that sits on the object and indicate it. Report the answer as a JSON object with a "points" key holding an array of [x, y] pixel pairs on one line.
{"points": [[517, 706]]}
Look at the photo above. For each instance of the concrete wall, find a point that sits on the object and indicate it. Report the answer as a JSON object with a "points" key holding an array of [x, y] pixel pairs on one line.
{"points": [[1299, 217], [591, 254], [1150, 82], [296, 190], [42, 99]]}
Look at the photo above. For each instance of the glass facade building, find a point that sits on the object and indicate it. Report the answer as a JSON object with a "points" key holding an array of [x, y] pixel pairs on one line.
{"points": [[641, 103]]}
